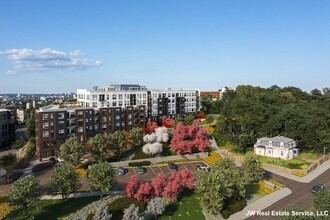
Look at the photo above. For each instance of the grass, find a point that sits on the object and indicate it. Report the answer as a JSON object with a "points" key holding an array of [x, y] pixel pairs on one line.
{"points": [[309, 156], [295, 163], [253, 190], [117, 207], [187, 207], [140, 155], [56, 209]]}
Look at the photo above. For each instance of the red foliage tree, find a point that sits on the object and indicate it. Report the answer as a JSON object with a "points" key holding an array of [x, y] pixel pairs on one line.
{"points": [[189, 138], [167, 122], [132, 186], [150, 127], [160, 186], [145, 192], [200, 115], [158, 183]]}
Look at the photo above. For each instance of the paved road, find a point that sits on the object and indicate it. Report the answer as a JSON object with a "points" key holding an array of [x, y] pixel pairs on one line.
{"points": [[301, 196]]}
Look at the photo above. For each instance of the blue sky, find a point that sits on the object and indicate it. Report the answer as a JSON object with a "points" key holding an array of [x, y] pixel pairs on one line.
{"points": [[59, 46]]}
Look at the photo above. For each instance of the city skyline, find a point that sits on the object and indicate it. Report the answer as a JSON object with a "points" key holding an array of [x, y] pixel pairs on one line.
{"points": [[59, 46]]}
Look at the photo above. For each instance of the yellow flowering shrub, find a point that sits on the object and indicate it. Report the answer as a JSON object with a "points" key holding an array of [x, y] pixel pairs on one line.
{"points": [[81, 172], [299, 173], [210, 129], [5, 208], [263, 186], [213, 158]]}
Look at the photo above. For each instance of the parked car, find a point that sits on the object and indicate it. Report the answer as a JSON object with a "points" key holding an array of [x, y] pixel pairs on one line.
{"points": [[121, 171], [203, 167], [318, 187], [173, 166], [141, 170]]}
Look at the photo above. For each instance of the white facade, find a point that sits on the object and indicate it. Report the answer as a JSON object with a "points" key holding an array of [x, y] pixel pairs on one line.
{"points": [[118, 95], [276, 147]]}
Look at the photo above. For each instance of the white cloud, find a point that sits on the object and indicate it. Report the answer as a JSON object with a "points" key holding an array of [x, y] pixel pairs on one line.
{"points": [[28, 60]]}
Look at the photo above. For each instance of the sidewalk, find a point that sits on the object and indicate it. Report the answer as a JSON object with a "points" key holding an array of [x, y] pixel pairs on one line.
{"points": [[261, 204], [80, 195], [160, 159]]}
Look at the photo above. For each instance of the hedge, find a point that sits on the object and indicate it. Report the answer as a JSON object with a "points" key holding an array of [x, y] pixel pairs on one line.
{"points": [[13, 176], [41, 166], [137, 164]]}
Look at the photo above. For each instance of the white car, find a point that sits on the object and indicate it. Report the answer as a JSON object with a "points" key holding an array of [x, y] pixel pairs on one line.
{"points": [[203, 167]]}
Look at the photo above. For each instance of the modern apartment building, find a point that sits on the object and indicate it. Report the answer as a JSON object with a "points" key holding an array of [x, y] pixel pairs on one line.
{"points": [[108, 109], [7, 128], [158, 102], [54, 124]]}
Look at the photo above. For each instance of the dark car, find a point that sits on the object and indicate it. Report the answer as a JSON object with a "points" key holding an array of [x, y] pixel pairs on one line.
{"points": [[121, 171], [203, 167], [173, 166], [317, 188], [141, 170]]}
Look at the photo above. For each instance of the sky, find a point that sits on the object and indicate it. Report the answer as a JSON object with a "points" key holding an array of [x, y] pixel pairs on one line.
{"points": [[61, 46]]}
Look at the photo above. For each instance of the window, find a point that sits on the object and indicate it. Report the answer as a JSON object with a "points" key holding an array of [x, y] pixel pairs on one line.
{"points": [[281, 153], [117, 117], [104, 126], [120, 103], [45, 125], [80, 129], [80, 113], [114, 96], [104, 119], [117, 124], [120, 96], [269, 152], [45, 134], [114, 104], [61, 115], [45, 116], [61, 132]]}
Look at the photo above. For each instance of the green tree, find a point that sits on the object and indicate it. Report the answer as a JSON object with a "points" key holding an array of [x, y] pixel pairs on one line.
{"points": [[100, 146], [206, 103], [31, 128], [118, 142], [101, 177], [189, 119], [222, 183], [71, 150], [64, 180], [322, 200], [245, 141], [135, 137], [252, 168], [24, 195]]}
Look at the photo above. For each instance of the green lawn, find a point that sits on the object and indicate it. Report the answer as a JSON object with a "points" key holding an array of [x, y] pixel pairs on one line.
{"points": [[253, 190], [56, 209], [187, 207]]}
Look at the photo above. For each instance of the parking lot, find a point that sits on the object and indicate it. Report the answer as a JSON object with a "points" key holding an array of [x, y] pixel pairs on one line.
{"points": [[152, 171]]}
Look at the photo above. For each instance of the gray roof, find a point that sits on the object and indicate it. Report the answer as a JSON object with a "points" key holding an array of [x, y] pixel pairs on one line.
{"points": [[277, 139]]}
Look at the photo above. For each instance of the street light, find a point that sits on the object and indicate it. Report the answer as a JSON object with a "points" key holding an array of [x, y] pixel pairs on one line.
{"points": [[324, 150]]}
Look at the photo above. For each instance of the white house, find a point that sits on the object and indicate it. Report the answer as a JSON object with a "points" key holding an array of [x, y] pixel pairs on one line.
{"points": [[278, 147]]}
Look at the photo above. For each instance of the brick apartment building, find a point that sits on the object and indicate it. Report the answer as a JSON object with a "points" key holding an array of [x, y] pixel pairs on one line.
{"points": [[106, 110], [7, 128]]}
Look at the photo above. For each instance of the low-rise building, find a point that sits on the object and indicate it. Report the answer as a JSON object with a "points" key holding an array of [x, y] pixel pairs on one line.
{"points": [[7, 128], [277, 147]]}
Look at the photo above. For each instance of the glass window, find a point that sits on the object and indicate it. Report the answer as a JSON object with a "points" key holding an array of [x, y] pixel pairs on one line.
{"points": [[80, 129], [45, 134], [45, 116], [45, 125]]}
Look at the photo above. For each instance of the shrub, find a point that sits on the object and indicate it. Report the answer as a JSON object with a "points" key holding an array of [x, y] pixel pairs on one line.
{"points": [[137, 164], [233, 206], [81, 172], [13, 176], [213, 158], [5, 209], [41, 166], [299, 173]]}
